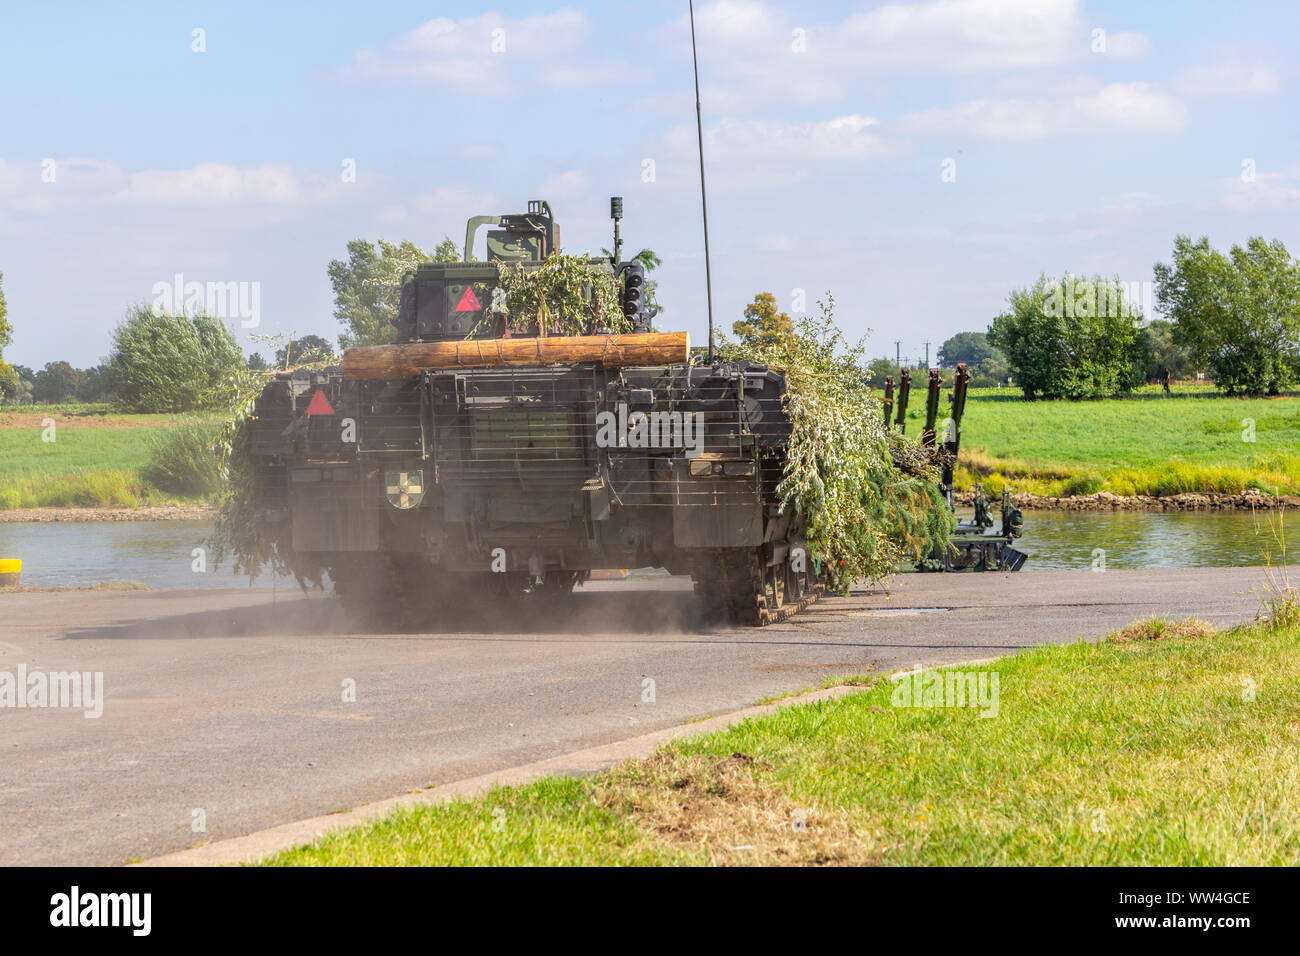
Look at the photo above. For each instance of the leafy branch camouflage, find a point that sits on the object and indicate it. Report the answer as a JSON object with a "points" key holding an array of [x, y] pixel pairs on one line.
{"points": [[565, 295], [865, 514]]}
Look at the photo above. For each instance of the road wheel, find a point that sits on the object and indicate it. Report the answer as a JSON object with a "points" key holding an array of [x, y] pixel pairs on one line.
{"points": [[774, 587], [793, 583]]}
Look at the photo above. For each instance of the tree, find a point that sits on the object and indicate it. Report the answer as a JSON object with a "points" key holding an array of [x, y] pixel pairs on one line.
{"points": [[763, 325], [1071, 338], [307, 347], [8, 377], [94, 384], [1165, 353], [368, 286], [969, 347], [56, 383], [446, 251], [878, 368], [256, 362], [989, 373], [162, 362], [1237, 314], [24, 379]]}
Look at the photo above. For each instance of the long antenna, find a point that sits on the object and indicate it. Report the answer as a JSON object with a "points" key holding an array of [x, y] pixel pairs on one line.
{"points": [[704, 201]]}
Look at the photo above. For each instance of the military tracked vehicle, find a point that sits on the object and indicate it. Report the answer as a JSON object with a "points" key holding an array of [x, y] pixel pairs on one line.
{"points": [[467, 460], [409, 475]]}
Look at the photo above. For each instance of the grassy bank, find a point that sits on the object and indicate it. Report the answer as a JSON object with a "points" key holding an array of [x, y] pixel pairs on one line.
{"points": [[97, 459], [1162, 746], [1149, 444]]}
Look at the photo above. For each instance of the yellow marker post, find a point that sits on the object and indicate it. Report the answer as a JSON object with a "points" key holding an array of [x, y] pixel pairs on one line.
{"points": [[11, 569]]}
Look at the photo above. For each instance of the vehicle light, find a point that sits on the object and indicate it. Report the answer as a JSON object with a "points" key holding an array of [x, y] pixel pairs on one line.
{"points": [[738, 468]]}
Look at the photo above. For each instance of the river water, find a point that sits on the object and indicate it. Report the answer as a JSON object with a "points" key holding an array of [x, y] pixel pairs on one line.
{"points": [[161, 554]]}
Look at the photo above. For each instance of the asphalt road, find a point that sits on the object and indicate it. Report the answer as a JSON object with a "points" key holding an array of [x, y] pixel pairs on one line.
{"points": [[231, 702]]}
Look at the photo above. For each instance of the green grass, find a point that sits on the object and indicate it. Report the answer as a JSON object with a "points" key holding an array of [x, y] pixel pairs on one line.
{"points": [[181, 458], [1151, 443], [1146, 750], [84, 466], [1148, 444]]}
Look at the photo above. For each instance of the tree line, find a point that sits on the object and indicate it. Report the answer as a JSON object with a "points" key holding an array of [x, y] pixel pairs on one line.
{"points": [[1233, 316], [161, 361]]}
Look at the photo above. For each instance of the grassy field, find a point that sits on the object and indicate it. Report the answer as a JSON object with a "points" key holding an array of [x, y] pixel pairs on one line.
{"points": [[95, 459], [1151, 443], [1165, 745]]}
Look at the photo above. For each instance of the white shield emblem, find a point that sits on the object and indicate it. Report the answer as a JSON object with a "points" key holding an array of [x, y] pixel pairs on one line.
{"points": [[405, 488]]}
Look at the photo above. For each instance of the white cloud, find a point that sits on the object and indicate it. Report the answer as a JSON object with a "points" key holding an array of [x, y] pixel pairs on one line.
{"points": [[569, 184], [39, 187], [219, 184], [1140, 107], [489, 54], [82, 181], [589, 74], [753, 54], [844, 137], [758, 154], [1127, 46], [1270, 191], [1232, 75], [445, 208], [967, 35], [1131, 106]]}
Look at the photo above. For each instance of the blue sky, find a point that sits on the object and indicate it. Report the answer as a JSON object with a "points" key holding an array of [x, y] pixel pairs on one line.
{"points": [[828, 128]]}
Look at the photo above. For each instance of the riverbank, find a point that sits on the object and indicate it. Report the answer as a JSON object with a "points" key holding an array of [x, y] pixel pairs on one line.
{"points": [[144, 513], [1251, 500], [1101, 501], [1152, 451], [87, 457], [1195, 450]]}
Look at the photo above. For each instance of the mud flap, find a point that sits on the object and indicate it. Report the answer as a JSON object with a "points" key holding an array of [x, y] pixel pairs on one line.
{"points": [[731, 524]]}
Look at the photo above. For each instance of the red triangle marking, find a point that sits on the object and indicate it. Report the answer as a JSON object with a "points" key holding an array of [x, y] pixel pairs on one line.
{"points": [[468, 301], [320, 405]]}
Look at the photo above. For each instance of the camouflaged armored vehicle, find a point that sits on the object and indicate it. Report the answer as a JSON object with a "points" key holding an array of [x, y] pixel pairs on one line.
{"points": [[464, 459]]}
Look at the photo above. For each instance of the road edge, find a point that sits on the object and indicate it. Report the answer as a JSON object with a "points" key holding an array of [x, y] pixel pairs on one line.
{"points": [[261, 843], [255, 846]]}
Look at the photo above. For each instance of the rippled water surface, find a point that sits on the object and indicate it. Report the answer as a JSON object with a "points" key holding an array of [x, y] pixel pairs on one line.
{"points": [[161, 553], [157, 553], [1070, 539]]}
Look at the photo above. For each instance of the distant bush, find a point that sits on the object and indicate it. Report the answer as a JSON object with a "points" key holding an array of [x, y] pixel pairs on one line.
{"points": [[182, 460]]}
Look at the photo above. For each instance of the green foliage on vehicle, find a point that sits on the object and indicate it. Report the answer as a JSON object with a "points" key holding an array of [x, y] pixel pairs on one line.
{"points": [[565, 295], [865, 514]]}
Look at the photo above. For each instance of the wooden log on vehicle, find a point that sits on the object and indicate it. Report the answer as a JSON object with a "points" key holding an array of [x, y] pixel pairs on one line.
{"points": [[409, 359]]}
